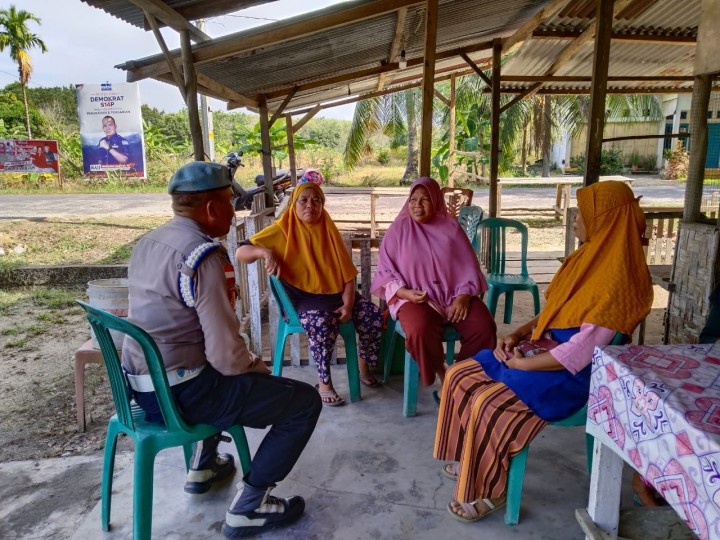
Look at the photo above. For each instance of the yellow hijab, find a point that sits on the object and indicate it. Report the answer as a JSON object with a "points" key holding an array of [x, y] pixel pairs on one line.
{"points": [[606, 282], [314, 257]]}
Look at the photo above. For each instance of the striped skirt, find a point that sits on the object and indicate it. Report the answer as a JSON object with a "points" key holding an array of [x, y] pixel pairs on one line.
{"points": [[481, 424]]}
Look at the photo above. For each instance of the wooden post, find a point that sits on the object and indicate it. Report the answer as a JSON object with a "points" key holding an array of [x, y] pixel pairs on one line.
{"points": [[266, 152], [253, 271], [291, 150], [428, 86], [191, 96], [698, 151], [495, 128], [451, 137], [598, 91]]}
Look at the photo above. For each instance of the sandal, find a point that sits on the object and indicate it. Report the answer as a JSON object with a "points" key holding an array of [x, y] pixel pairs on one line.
{"points": [[369, 380], [451, 470], [330, 397], [472, 512]]}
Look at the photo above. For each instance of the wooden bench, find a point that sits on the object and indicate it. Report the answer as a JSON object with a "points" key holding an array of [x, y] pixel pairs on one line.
{"points": [[563, 185]]}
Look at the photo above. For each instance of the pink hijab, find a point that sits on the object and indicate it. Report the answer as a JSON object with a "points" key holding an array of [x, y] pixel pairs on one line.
{"points": [[435, 256]]}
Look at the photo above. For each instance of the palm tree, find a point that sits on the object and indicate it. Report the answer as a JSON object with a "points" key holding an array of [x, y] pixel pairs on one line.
{"points": [[15, 35], [395, 115]]}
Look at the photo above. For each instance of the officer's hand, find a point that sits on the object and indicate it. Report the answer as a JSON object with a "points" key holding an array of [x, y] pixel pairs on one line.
{"points": [[104, 145]]}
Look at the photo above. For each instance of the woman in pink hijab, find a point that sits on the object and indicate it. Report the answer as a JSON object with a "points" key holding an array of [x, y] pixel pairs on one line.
{"points": [[429, 275]]}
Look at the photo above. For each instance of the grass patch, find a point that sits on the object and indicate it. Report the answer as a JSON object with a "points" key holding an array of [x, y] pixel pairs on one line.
{"points": [[12, 331], [50, 318], [16, 344], [63, 241], [54, 298], [9, 298]]}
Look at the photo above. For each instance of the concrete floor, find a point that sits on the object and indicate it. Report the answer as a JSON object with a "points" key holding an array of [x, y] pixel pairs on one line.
{"points": [[367, 473]]}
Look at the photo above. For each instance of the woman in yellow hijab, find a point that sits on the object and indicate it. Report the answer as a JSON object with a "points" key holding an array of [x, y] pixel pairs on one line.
{"points": [[495, 403], [306, 252]]}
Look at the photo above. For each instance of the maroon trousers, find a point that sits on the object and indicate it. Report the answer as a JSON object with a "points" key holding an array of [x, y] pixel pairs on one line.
{"points": [[424, 328]]}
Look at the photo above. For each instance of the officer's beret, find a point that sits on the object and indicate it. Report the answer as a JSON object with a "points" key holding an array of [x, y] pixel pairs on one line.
{"points": [[199, 176]]}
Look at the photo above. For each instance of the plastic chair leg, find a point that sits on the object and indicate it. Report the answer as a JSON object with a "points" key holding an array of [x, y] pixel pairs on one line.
{"points": [[516, 475], [107, 478], [143, 492], [589, 449], [412, 374], [279, 350], [492, 300], [347, 331], [241, 444], [388, 352], [449, 352], [509, 297], [536, 299]]}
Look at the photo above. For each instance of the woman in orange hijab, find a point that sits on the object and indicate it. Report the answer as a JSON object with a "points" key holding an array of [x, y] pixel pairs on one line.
{"points": [[494, 404], [306, 252]]}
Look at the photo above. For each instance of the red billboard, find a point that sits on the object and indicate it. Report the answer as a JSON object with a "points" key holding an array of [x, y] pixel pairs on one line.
{"points": [[29, 156]]}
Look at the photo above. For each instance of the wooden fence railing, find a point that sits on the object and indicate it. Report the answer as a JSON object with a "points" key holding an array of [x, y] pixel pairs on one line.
{"points": [[661, 226]]}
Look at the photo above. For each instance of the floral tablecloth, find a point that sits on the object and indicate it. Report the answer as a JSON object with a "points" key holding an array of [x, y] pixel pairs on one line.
{"points": [[659, 408]]}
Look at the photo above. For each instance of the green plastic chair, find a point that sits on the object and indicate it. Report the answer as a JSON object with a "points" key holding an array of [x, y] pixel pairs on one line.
{"points": [[492, 234], [289, 323], [150, 438], [412, 373], [516, 472], [469, 219]]}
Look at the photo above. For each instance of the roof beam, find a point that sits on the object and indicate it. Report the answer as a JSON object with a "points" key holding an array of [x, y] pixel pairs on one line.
{"points": [[522, 95], [659, 39], [394, 47], [370, 72], [282, 106], [525, 31], [305, 119], [477, 70], [586, 38], [272, 34], [161, 11]]}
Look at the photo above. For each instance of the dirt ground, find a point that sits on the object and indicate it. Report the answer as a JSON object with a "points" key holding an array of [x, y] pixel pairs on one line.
{"points": [[37, 394]]}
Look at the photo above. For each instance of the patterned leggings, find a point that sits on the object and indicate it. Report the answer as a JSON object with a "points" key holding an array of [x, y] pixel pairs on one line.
{"points": [[322, 332]]}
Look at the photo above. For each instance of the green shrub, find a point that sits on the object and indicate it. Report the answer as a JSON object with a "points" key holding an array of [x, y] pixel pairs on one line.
{"points": [[611, 162], [383, 157]]}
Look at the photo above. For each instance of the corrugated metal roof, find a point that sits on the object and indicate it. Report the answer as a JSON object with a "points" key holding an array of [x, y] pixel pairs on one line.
{"points": [[336, 62], [190, 9]]}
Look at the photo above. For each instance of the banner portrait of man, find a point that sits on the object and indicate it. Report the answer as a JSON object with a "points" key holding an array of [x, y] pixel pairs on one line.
{"points": [[111, 129]]}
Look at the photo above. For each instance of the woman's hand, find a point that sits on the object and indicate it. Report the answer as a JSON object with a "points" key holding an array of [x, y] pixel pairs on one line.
{"points": [[504, 348], [344, 313], [459, 308], [412, 295], [515, 359], [272, 265]]}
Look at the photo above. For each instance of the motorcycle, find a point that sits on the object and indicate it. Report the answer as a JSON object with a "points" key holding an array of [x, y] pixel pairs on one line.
{"points": [[243, 198]]}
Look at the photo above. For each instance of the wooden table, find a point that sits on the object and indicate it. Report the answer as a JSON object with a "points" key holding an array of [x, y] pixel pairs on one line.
{"points": [[656, 408], [562, 184]]}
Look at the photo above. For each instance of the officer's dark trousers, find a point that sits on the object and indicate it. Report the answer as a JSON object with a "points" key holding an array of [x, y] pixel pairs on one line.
{"points": [[290, 407]]}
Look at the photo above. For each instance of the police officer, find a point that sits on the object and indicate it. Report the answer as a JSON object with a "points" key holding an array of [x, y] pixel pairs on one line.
{"points": [[180, 293]]}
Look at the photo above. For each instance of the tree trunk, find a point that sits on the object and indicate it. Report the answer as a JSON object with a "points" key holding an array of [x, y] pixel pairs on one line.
{"points": [[411, 168], [547, 136], [27, 111]]}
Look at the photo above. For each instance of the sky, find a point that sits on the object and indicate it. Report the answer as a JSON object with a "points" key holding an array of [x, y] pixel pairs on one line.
{"points": [[85, 43]]}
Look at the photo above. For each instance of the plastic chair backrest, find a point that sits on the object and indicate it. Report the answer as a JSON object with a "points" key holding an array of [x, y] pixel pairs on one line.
{"points": [[102, 323], [492, 233], [469, 218], [456, 198], [287, 310]]}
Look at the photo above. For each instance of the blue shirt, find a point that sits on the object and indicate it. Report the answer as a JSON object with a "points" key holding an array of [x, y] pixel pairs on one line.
{"points": [[116, 142]]}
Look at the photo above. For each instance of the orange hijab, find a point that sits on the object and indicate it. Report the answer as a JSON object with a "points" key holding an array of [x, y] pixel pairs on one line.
{"points": [[314, 257], [606, 282]]}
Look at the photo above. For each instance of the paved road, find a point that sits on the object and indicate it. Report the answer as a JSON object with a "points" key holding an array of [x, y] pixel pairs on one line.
{"points": [[340, 206]]}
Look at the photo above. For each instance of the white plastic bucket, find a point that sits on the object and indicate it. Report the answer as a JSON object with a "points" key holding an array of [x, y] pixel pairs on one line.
{"points": [[110, 295]]}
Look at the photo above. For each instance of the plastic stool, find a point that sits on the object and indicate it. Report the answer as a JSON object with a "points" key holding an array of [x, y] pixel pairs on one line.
{"points": [[86, 354]]}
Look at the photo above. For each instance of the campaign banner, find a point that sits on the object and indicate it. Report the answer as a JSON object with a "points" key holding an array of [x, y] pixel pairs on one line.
{"points": [[29, 156], [111, 129]]}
